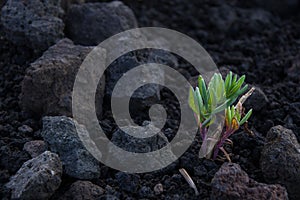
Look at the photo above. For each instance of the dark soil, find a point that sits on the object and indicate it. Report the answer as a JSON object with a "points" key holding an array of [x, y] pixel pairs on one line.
{"points": [[267, 53]]}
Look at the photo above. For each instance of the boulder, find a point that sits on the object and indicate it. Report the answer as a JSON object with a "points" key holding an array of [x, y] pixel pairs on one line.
{"points": [[231, 182], [33, 23], [48, 84], [38, 178], [280, 160], [62, 135], [91, 23]]}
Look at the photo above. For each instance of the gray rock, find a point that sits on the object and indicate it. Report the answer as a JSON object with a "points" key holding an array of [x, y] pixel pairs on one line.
{"points": [[139, 145], [81, 190], [48, 83], [282, 7], [158, 188], [128, 182], [280, 160], [231, 182], [61, 135], [146, 192], [35, 147], [38, 178], [257, 101], [34, 23], [225, 18], [91, 23], [25, 129]]}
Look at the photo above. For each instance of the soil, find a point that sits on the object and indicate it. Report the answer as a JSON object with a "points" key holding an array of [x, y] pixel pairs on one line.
{"points": [[267, 52]]}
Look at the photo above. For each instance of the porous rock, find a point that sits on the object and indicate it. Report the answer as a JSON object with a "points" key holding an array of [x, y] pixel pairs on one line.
{"points": [[280, 160], [128, 182], [91, 23], [62, 135], [129, 143], [48, 84], [257, 101], [231, 182], [81, 190], [35, 147], [38, 178], [33, 23]]}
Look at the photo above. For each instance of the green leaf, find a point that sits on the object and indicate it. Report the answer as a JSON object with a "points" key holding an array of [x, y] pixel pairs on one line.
{"points": [[192, 103], [221, 107], [246, 117], [203, 92]]}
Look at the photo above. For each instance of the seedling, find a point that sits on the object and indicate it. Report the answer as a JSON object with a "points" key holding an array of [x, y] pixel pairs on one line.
{"points": [[209, 101]]}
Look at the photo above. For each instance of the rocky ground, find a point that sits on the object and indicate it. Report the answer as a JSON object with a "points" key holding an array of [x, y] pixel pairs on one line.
{"points": [[42, 44]]}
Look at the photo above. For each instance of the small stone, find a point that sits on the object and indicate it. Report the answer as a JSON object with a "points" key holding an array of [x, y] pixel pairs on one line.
{"points": [[35, 148], [128, 182], [145, 192], [280, 160], [62, 136], [231, 182], [38, 178], [25, 129], [158, 189], [81, 190]]}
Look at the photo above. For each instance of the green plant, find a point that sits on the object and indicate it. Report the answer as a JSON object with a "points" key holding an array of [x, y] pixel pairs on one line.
{"points": [[208, 102]]}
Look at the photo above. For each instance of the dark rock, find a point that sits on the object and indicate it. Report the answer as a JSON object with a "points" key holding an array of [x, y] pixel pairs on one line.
{"points": [[294, 110], [25, 129], [134, 144], [158, 188], [48, 84], [38, 178], [230, 19], [65, 4], [283, 8], [145, 192], [35, 147], [139, 145], [81, 190], [231, 182], [280, 160], [62, 137], [91, 23], [128, 182], [34, 23], [257, 101], [12, 158]]}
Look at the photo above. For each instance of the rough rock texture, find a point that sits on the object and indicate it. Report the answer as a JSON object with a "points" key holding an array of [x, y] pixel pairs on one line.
{"points": [[91, 23], [231, 182], [283, 8], [33, 23], [48, 83], [139, 145], [38, 178], [81, 190], [257, 101], [226, 18], [62, 137], [35, 147], [128, 182], [280, 160]]}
